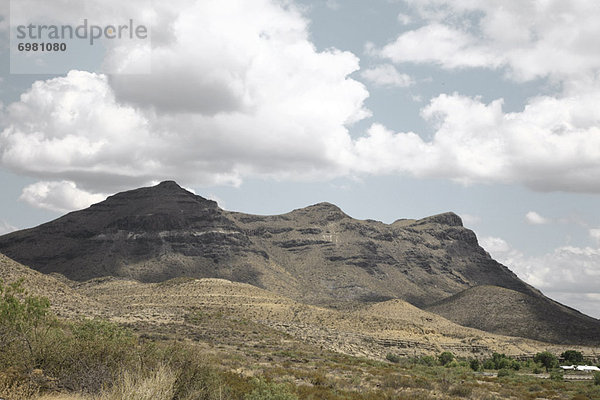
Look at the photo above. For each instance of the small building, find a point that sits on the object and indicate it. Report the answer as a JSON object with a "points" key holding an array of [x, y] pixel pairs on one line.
{"points": [[584, 368]]}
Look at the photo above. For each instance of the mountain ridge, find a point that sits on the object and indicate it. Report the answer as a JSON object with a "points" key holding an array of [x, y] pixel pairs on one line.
{"points": [[316, 255]]}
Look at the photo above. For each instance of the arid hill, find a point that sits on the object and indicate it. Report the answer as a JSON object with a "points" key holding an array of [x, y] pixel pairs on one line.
{"points": [[316, 255], [506, 312], [234, 314]]}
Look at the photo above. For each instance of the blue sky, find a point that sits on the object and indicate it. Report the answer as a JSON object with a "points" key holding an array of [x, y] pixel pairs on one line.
{"points": [[390, 109]]}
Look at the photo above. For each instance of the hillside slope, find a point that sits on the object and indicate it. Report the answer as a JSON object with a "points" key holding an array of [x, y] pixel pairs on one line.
{"points": [[506, 312], [65, 301]]}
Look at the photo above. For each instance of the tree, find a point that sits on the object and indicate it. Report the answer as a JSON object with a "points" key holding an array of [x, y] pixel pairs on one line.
{"points": [[547, 359], [475, 364], [572, 357], [22, 316], [446, 357]]}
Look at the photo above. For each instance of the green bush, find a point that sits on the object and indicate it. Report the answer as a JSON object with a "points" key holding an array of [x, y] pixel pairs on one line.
{"points": [[392, 358], [501, 361], [269, 391], [572, 357], [515, 365], [461, 391], [503, 372], [475, 364], [25, 321], [596, 378], [427, 360], [88, 355], [556, 375], [445, 358], [546, 359]]}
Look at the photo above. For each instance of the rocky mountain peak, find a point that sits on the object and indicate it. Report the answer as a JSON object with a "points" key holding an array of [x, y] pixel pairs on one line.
{"points": [[321, 212], [447, 218]]}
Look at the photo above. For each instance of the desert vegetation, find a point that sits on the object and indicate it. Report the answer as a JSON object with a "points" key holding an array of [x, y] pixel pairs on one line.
{"points": [[45, 357]]}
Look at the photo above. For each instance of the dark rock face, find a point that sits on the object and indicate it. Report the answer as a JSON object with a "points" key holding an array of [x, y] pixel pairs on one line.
{"points": [[316, 254], [503, 311]]}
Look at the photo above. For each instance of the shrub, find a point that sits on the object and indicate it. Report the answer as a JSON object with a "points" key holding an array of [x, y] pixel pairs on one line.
{"points": [[88, 355], [269, 391], [24, 324], [392, 358], [515, 365], [489, 364], [461, 391], [556, 375], [596, 378], [503, 372], [572, 357], [445, 358], [427, 360], [547, 359], [475, 364]]}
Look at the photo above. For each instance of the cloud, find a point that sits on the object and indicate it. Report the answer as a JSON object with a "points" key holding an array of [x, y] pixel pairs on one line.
{"points": [[553, 144], [534, 218], [387, 75], [61, 196], [333, 4], [441, 45], [531, 39], [494, 245], [5, 228], [237, 90], [404, 19], [595, 234], [567, 273]]}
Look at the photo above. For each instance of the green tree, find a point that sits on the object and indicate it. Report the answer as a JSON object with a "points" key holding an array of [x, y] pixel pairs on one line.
{"points": [[573, 357], [23, 318], [475, 364], [547, 359], [446, 357]]}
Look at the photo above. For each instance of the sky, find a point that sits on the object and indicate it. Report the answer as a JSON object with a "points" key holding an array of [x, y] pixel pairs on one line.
{"points": [[388, 108]]}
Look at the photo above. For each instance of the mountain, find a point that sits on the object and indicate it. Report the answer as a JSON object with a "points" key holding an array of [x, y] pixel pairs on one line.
{"points": [[316, 255], [506, 312]]}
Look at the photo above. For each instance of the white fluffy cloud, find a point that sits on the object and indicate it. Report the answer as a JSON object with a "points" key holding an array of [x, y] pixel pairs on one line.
{"points": [[494, 245], [568, 273], [595, 234], [237, 90], [61, 196], [554, 142], [440, 44], [532, 39], [386, 75], [534, 218]]}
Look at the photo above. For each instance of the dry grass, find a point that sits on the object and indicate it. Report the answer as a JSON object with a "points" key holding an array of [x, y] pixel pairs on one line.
{"points": [[158, 384]]}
